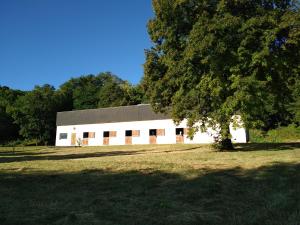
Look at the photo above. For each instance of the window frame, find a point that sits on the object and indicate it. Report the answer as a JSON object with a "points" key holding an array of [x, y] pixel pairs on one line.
{"points": [[61, 138]]}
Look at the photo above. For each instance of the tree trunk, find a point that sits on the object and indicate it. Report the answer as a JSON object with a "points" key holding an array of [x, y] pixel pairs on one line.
{"points": [[225, 143]]}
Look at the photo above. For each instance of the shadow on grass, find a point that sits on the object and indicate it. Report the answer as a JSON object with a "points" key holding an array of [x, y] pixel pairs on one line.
{"points": [[23, 153], [266, 195], [20, 156], [267, 146]]}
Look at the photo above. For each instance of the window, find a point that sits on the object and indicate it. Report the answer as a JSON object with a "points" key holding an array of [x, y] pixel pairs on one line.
{"points": [[112, 133], [135, 133], [85, 134], [152, 132], [186, 131], [128, 133], [179, 131], [91, 134], [160, 132], [63, 136], [105, 133]]}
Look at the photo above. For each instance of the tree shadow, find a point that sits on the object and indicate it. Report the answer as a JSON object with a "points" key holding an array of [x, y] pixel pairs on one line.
{"points": [[267, 146], [40, 156], [266, 195], [23, 153], [20, 156]]}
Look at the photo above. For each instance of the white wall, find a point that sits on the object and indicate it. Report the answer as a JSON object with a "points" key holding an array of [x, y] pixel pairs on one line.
{"points": [[238, 135]]}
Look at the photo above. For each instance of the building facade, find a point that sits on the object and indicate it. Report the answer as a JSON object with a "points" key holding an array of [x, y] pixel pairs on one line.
{"points": [[127, 125]]}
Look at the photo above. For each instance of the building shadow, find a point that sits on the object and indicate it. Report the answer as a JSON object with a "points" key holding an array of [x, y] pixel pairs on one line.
{"points": [[267, 195]]}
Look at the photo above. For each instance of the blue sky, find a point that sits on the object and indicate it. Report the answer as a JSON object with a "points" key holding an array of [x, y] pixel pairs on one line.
{"points": [[50, 41]]}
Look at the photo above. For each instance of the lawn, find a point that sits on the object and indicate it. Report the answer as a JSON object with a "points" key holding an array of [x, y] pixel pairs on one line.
{"points": [[154, 184]]}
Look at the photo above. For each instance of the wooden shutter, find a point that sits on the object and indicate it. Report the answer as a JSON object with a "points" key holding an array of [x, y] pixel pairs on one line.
{"points": [[85, 142], [135, 133], [91, 134], [112, 133], [128, 140], [106, 141], [179, 139], [160, 132], [152, 139], [186, 131]]}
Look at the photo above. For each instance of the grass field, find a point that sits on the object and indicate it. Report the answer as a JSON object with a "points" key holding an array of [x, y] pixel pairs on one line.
{"points": [[159, 184]]}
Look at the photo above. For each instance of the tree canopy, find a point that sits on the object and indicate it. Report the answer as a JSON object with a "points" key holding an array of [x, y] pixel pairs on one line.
{"points": [[35, 113], [212, 60], [102, 90]]}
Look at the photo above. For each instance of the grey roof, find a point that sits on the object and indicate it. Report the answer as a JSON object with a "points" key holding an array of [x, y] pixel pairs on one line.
{"points": [[109, 115]]}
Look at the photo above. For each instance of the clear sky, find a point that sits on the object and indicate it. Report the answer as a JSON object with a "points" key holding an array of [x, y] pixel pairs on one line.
{"points": [[50, 41]]}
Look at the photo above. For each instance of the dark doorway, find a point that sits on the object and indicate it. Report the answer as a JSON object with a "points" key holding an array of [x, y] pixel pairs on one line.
{"points": [[105, 137], [128, 137], [152, 136], [179, 135]]}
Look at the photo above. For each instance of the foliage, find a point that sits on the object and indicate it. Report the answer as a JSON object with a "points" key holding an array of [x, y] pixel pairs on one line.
{"points": [[133, 95], [290, 133], [82, 92], [111, 92], [212, 60], [294, 107], [103, 90], [8, 129], [35, 113]]}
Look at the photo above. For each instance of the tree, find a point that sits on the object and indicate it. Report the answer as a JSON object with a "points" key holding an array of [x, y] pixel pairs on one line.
{"points": [[294, 107], [133, 94], [81, 93], [88, 92], [212, 60], [111, 92], [8, 130], [35, 113]]}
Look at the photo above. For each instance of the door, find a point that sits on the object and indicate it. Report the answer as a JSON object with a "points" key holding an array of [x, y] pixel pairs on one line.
{"points": [[73, 139], [179, 139], [85, 141], [152, 139], [105, 140], [179, 135], [128, 140]]}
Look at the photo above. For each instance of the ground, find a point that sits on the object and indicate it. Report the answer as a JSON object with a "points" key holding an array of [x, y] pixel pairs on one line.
{"points": [[153, 184]]}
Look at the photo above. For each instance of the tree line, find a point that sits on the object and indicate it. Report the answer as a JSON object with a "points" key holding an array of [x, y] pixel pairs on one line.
{"points": [[30, 116]]}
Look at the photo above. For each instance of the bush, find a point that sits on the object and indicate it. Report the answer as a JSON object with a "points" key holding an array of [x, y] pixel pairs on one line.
{"points": [[290, 133]]}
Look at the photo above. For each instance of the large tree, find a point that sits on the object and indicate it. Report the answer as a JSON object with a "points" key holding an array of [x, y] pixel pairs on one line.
{"points": [[93, 91], [102, 90], [35, 113], [214, 59]]}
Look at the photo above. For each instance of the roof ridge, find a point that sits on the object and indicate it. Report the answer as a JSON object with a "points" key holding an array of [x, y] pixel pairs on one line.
{"points": [[111, 107]]}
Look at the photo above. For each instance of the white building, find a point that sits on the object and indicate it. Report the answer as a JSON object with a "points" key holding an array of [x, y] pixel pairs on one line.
{"points": [[136, 124]]}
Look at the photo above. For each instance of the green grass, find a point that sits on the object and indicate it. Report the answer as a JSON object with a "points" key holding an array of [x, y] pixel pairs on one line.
{"points": [[153, 184], [290, 133]]}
